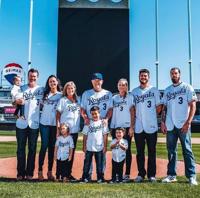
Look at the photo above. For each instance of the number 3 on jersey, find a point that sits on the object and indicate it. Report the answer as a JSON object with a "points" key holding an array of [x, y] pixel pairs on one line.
{"points": [[104, 106], [149, 104], [180, 100]]}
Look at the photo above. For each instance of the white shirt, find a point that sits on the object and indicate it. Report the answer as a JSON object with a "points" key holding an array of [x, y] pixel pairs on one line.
{"points": [[95, 131], [145, 102], [48, 115], [16, 92], [176, 99], [64, 144], [70, 113], [102, 99], [33, 97], [118, 154], [121, 116]]}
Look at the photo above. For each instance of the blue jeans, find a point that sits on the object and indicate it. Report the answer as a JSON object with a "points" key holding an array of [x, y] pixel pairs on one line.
{"points": [[88, 161], [25, 167], [48, 139], [185, 139]]}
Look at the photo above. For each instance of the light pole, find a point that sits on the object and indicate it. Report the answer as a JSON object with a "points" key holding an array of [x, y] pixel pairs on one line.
{"points": [[156, 32], [189, 40], [30, 34]]}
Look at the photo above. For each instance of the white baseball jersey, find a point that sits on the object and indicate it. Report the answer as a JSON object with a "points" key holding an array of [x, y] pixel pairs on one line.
{"points": [[33, 97], [64, 144], [48, 114], [176, 99], [102, 99], [145, 102], [95, 131], [16, 93], [70, 113], [121, 116], [118, 155]]}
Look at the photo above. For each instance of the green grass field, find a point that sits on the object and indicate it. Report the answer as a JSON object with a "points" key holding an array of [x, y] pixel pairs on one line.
{"points": [[144, 190], [9, 188]]}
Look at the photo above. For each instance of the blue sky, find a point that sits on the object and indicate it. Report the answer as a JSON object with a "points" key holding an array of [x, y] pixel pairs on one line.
{"points": [[173, 37]]}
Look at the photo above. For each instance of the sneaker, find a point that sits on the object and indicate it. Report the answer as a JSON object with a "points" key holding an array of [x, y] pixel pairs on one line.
{"points": [[193, 181], [99, 181], [152, 179], [71, 178], [112, 181], [169, 179], [126, 178], [19, 178], [84, 180], [139, 179], [65, 179]]}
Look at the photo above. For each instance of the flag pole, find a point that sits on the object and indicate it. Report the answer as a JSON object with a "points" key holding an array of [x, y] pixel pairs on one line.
{"points": [[156, 32], [189, 39], [30, 34]]}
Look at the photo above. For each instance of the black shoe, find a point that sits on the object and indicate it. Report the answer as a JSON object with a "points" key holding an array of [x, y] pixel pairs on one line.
{"points": [[71, 178]]}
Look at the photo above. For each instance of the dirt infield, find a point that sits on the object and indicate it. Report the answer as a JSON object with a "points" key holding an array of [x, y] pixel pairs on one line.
{"points": [[8, 167]]}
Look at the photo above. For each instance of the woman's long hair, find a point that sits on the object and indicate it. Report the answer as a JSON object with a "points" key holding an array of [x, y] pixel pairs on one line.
{"points": [[47, 87], [70, 83]]}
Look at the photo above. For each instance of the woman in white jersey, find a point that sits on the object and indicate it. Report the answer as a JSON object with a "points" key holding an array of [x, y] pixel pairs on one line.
{"points": [[68, 112], [122, 117], [52, 95]]}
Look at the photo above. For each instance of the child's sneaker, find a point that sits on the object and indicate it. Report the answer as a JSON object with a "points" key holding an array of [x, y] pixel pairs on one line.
{"points": [[65, 179], [84, 180], [193, 181], [169, 179], [139, 179], [126, 178], [112, 181], [152, 179], [99, 181]]}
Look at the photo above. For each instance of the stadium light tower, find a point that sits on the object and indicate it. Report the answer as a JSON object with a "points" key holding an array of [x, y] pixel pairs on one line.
{"points": [[189, 39], [156, 33], [30, 34]]}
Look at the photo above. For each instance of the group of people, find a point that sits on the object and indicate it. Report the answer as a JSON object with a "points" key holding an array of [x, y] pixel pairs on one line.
{"points": [[56, 114]]}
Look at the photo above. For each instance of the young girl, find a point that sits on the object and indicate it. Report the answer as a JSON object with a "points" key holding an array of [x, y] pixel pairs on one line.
{"points": [[118, 147], [63, 153]]}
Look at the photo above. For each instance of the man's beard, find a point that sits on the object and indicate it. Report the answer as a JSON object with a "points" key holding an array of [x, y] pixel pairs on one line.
{"points": [[175, 81], [143, 82]]}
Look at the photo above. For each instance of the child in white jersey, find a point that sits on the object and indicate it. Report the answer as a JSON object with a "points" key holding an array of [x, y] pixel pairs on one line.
{"points": [[94, 143], [119, 145], [63, 153], [16, 93]]}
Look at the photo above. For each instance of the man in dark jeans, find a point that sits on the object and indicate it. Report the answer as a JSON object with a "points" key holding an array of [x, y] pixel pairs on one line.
{"points": [[27, 129], [147, 105]]}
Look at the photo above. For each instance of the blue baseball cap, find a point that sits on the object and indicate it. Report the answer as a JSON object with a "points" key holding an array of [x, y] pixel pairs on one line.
{"points": [[97, 76]]}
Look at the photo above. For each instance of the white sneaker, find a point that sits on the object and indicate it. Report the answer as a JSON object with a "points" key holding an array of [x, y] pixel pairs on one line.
{"points": [[139, 179], [126, 178], [152, 179], [193, 181], [169, 179]]}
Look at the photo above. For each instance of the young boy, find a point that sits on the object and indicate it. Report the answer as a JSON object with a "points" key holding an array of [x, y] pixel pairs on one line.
{"points": [[118, 147], [94, 143], [63, 153], [17, 94]]}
